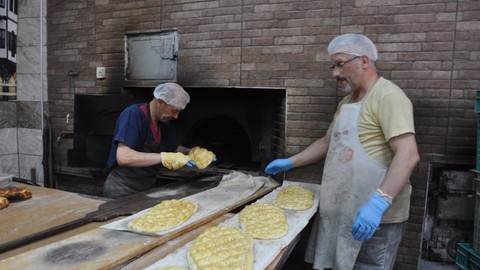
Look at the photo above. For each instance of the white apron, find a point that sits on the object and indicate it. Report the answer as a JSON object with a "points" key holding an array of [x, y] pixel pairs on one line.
{"points": [[350, 176]]}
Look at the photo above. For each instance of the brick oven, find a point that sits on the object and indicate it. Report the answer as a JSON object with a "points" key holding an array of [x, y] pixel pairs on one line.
{"points": [[244, 127]]}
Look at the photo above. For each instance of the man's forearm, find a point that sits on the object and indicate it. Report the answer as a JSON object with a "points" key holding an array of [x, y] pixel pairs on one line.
{"points": [[132, 158], [313, 153]]}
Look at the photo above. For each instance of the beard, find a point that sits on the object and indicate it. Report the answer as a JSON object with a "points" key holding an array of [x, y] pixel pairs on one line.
{"points": [[165, 119], [346, 87]]}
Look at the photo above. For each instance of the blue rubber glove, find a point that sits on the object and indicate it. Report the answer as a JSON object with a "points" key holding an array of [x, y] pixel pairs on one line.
{"points": [[368, 217], [279, 165], [191, 163]]}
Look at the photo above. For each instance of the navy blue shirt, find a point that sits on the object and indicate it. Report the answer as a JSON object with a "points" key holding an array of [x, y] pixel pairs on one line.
{"points": [[133, 129]]}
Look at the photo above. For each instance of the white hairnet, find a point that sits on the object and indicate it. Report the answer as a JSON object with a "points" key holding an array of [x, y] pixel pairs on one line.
{"points": [[355, 44], [173, 94]]}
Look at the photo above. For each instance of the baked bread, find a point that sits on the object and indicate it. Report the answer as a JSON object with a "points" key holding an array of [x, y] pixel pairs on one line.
{"points": [[294, 198], [221, 248], [174, 160], [15, 192], [3, 202], [164, 216], [263, 221], [201, 156]]}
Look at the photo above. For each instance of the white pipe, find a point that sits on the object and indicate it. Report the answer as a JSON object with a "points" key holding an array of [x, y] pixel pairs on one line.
{"points": [[41, 66], [42, 129]]}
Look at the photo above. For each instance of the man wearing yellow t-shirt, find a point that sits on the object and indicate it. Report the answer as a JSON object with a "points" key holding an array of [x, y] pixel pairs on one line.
{"points": [[370, 152]]}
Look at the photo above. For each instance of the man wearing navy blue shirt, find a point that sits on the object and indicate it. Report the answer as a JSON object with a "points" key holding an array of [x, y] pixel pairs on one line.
{"points": [[142, 132]]}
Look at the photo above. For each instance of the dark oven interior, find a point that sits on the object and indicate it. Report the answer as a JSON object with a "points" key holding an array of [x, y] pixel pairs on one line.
{"points": [[244, 127], [449, 211]]}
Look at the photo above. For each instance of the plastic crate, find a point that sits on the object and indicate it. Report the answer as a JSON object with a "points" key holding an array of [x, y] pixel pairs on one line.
{"points": [[474, 265], [477, 110], [474, 260], [477, 102], [478, 144], [462, 258], [476, 220]]}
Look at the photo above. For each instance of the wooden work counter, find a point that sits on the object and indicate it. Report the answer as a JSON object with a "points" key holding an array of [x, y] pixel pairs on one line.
{"points": [[89, 246], [46, 209]]}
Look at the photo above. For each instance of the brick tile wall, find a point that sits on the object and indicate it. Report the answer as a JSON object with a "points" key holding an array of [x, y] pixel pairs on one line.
{"points": [[429, 48]]}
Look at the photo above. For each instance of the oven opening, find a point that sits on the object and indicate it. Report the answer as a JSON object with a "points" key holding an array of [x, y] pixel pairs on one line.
{"points": [[227, 139], [244, 127]]}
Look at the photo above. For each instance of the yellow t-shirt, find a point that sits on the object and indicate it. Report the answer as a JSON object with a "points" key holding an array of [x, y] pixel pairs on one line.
{"points": [[386, 113]]}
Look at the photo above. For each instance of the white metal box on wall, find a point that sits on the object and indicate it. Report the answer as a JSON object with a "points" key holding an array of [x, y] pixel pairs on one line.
{"points": [[150, 57]]}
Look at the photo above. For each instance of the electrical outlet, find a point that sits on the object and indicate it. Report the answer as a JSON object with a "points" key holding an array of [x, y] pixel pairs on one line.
{"points": [[101, 73]]}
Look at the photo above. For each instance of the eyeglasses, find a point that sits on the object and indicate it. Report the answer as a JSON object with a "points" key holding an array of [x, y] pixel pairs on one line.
{"points": [[341, 64]]}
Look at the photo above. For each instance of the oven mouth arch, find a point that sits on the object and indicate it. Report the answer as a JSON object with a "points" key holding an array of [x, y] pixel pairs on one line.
{"points": [[223, 135]]}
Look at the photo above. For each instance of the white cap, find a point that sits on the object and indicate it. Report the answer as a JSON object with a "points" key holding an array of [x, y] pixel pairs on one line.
{"points": [[173, 94], [354, 44]]}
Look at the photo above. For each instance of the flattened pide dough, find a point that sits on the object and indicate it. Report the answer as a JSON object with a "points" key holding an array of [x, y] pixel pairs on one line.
{"points": [[174, 160]]}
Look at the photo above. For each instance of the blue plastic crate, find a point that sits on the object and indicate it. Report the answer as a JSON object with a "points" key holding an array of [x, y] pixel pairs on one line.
{"points": [[478, 144], [477, 102], [476, 220], [474, 265], [474, 260], [462, 258], [477, 110]]}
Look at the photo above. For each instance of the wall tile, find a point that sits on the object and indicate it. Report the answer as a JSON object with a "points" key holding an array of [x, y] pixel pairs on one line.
{"points": [[29, 87], [29, 162], [8, 114], [29, 114], [8, 141], [30, 141], [30, 29], [31, 8], [28, 59], [9, 164]]}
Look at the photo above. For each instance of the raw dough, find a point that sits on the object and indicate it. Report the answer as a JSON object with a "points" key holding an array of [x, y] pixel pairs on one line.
{"points": [[222, 248], [165, 215], [295, 198], [201, 156], [264, 221], [174, 160]]}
